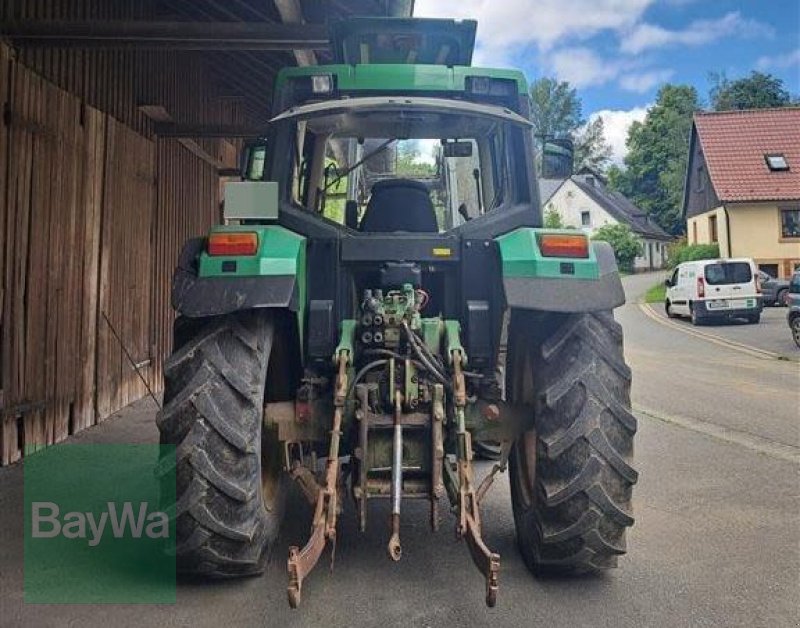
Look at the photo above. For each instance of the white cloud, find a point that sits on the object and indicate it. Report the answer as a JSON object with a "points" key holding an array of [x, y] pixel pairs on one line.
{"points": [[646, 36], [781, 61], [641, 82], [615, 126], [582, 67], [505, 26]]}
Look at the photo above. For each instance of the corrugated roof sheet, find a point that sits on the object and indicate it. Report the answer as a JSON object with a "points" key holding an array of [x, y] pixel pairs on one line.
{"points": [[735, 144]]}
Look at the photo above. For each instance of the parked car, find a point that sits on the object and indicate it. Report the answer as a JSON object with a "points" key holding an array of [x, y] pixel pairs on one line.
{"points": [[793, 316], [773, 291], [714, 289]]}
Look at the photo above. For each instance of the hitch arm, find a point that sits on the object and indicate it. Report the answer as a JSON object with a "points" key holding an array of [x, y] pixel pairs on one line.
{"points": [[469, 520], [323, 528]]}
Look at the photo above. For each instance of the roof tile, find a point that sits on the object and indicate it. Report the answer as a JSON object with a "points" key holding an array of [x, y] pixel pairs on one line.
{"points": [[734, 144]]}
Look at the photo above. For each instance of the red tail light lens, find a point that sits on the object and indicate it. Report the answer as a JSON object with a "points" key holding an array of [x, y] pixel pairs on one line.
{"points": [[227, 243], [701, 287], [563, 245]]}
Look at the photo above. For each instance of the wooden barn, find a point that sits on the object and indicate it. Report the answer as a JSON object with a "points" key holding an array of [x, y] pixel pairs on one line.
{"points": [[120, 121]]}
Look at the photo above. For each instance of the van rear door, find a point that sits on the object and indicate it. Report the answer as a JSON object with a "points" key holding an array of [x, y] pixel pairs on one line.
{"points": [[730, 285]]}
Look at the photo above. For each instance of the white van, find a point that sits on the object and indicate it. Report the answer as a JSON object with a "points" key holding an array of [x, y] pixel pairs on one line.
{"points": [[713, 289]]}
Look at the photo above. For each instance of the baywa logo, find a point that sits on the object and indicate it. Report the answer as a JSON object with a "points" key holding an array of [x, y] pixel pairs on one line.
{"points": [[97, 525], [84, 525]]}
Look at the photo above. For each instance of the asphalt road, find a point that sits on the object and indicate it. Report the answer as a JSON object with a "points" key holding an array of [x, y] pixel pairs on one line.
{"points": [[716, 541]]}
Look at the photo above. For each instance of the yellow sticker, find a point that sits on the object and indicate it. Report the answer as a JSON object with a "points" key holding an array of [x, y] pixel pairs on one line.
{"points": [[442, 252]]}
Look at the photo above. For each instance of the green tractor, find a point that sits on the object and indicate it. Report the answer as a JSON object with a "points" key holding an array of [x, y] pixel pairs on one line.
{"points": [[381, 298]]}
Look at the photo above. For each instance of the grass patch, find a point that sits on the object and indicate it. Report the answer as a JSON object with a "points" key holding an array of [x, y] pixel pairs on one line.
{"points": [[656, 294]]}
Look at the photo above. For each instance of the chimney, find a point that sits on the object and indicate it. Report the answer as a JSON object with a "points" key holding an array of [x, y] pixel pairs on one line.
{"points": [[590, 180]]}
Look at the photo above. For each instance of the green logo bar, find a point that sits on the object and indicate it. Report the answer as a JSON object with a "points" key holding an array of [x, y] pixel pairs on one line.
{"points": [[98, 529]]}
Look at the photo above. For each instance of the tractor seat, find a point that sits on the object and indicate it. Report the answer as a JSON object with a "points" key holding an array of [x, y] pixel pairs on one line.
{"points": [[399, 205]]}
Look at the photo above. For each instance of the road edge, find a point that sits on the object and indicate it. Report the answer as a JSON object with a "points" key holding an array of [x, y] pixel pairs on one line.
{"points": [[773, 449], [763, 354]]}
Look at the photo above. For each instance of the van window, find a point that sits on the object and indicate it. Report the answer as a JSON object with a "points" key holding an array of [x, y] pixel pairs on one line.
{"points": [[728, 272]]}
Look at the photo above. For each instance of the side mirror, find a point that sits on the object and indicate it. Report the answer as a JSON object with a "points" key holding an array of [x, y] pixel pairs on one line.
{"points": [[254, 155], [557, 158], [668, 282]]}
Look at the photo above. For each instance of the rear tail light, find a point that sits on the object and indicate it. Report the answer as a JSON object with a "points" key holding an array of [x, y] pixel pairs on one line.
{"points": [[701, 287], [563, 245], [236, 243]]}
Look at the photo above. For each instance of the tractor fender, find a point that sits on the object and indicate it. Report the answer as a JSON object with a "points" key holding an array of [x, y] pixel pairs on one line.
{"points": [[194, 296], [532, 282]]}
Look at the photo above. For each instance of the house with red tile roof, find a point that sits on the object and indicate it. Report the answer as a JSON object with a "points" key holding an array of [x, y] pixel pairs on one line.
{"points": [[742, 187]]}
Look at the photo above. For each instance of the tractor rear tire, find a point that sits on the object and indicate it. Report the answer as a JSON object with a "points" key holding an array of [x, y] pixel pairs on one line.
{"points": [[571, 474], [228, 498]]}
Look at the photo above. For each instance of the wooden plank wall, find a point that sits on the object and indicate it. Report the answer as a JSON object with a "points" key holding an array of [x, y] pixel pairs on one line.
{"points": [[47, 169], [93, 217], [125, 268]]}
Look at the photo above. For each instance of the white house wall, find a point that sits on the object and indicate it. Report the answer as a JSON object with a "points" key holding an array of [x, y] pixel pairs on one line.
{"points": [[570, 201]]}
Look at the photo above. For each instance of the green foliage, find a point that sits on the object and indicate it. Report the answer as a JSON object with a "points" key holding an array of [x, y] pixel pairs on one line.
{"points": [[334, 198], [556, 109], [556, 112], [552, 220], [658, 149], [409, 163], [627, 246], [656, 294], [682, 252], [757, 91], [591, 148]]}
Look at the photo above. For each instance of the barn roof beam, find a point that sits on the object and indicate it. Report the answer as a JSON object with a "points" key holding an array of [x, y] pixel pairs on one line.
{"points": [[167, 35]]}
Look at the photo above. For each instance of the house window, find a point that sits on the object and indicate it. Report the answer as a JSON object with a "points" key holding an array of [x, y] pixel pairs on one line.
{"points": [[694, 232], [658, 247], [586, 219], [776, 162], [770, 269], [712, 229], [790, 223]]}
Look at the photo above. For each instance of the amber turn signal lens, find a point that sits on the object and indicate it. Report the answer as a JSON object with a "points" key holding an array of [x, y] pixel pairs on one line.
{"points": [[563, 245], [232, 243]]}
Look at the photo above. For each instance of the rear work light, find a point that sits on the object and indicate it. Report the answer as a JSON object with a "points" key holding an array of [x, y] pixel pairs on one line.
{"points": [[321, 83], [233, 243], [563, 245], [701, 288]]}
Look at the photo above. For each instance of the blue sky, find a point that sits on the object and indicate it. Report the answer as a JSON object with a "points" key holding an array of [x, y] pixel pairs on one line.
{"points": [[618, 52]]}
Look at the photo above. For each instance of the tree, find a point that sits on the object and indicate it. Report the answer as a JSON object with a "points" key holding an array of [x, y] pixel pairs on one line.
{"points": [[556, 112], [555, 108], [591, 148], [552, 219], [627, 246], [757, 91], [658, 150]]}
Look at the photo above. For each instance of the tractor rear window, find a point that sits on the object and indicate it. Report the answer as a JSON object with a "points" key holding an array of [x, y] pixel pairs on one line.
{"points": [[727, 273], [428, 169]]}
